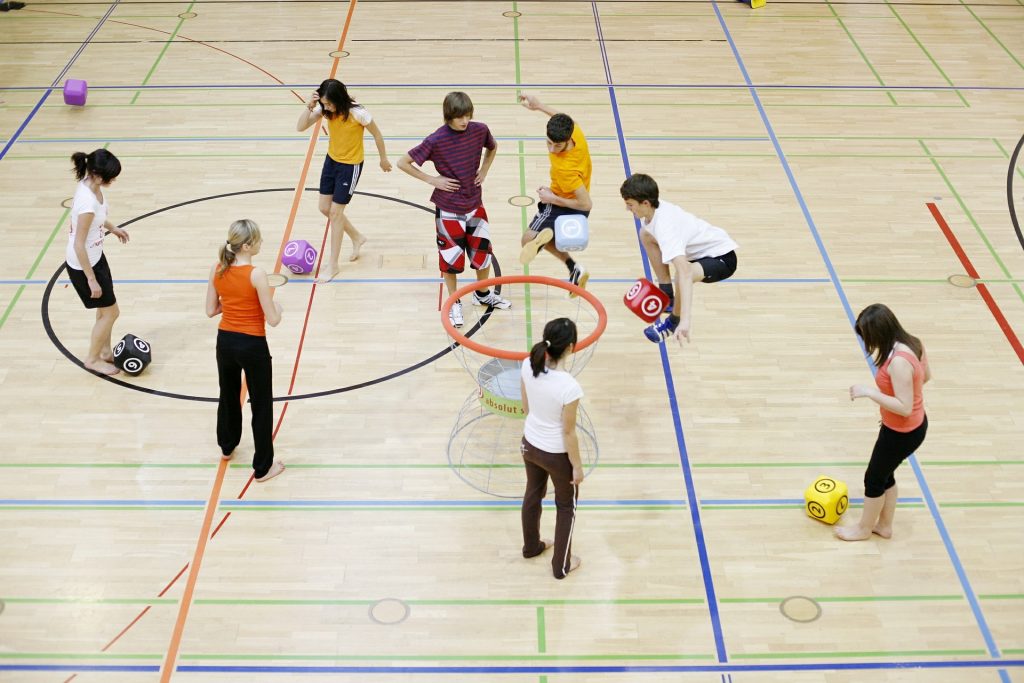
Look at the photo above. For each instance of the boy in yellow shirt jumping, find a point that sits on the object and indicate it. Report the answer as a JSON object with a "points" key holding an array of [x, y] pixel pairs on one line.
{"points": [[569, 192]]}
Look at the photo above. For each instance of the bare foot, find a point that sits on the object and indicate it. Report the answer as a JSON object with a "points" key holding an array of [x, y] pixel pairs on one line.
{"points": [[574, 563], [851, 533], [102, 367], [883, 531], [275, 469], [107, 356], [357, 244], [328, 275]]}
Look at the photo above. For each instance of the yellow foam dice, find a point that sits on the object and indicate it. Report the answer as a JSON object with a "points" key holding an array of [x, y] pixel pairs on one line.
{"points": [[825, 500], [756, 4]]}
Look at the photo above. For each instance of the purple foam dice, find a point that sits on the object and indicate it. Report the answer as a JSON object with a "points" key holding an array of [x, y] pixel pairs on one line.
{"points": [[299, 257], [75, 91]]}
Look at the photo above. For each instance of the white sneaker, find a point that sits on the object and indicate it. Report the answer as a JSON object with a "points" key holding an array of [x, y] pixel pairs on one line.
{"points": [[455, 314], [492, 299]]}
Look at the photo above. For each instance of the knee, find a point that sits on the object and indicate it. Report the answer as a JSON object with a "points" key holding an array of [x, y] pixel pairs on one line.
{"points": [[875, 487]]}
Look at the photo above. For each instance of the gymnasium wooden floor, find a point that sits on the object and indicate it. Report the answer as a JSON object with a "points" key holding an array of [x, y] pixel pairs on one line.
{"points": [[857, 152]]}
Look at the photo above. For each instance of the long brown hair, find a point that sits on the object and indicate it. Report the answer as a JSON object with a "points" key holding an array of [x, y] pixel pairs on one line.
{"points": [[878, 327], [241, 233]]}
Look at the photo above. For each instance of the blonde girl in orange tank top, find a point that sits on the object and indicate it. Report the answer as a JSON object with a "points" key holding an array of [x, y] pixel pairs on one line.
{"points": [[239, 292], [898, 391]]}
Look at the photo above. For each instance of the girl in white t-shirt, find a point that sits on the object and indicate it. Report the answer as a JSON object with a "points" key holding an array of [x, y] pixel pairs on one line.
{"points": [[345, 120], [87, 266], [550, 447]]}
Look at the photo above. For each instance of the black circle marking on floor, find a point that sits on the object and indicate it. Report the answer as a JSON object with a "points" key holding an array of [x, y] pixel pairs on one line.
{"points": [[187, 15], [67, 202], [520, 200], [48, 326], [338, 54], [1009, 191], [800, 609]]}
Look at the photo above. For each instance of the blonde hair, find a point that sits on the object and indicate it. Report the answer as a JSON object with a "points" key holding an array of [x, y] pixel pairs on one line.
{"points": [[241, 233]]}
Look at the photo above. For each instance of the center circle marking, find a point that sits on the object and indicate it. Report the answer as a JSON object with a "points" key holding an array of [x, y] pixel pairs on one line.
{"points": [[960, 280], [212, 399], [338, 54]]}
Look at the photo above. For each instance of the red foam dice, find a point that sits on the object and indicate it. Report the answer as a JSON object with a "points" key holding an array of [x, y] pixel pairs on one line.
{"points": [[646, 300]]}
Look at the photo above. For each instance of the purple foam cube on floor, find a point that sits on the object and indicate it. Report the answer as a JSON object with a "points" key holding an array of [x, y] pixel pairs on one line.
{"points": [[75, 91]]}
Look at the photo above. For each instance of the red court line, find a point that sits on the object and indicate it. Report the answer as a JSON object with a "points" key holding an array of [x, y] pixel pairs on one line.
{"points": [[170, 659], [205, 535], [993, 307]]}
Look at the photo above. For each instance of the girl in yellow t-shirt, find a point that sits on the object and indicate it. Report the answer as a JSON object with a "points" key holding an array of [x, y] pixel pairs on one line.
{"points": [[346, 121]]}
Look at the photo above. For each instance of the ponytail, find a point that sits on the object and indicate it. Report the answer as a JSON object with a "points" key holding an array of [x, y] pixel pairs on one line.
{"points": [[100, 163], [241, 233], [559, 335]]}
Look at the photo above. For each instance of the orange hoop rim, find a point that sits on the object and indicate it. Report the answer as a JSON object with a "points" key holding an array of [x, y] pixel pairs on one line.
{"points": [[463, 340]]}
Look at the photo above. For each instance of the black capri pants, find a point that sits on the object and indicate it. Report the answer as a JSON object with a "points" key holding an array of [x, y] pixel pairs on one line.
{"points": [[891, 449], [238, 353]]}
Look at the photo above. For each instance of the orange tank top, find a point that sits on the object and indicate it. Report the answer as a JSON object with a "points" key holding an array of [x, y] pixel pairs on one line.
{"points": [[895, 422], [240, 303]]}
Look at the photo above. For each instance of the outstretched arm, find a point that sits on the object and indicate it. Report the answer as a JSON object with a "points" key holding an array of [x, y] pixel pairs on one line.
{"points": [[533, 103]]}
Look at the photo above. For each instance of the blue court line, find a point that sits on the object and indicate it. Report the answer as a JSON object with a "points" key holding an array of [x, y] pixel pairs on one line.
{"points": [[684, 458], [559, 86], [919, 474], [408, 280], [536, 669], [411, 138], [340, 503], [348, 502], [786, 501], [67, 67]]}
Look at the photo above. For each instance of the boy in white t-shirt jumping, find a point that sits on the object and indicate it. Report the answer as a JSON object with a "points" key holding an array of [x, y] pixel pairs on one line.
{"points": [[699, 251]]}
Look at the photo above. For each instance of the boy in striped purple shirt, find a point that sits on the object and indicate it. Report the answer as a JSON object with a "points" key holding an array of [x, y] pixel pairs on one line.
{"points": [[459, 215]]}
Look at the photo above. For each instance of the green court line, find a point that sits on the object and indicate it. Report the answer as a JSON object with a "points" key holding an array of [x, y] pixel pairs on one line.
{"points": [[494, 602], [850, 655], [926, 53], [527, 288], [163, 51], [1006, 155], [970, 216], [989, 31], [32, 269], [464, 602], [939, 281], [380, 105], [863, 56], [793, 506], [97, 601], [457, 508], [851, 598], [247, 656], [760, 464], [542, 642]]}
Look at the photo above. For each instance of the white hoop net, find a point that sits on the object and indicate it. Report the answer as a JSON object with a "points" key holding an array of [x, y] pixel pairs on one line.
{"points": [[483, 448]]}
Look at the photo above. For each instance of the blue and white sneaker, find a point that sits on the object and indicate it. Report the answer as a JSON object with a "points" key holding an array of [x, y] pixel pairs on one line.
{"points": [[661, 330]]}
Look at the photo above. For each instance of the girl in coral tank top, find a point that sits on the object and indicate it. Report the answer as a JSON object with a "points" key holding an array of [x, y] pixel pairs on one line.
{"points": [[240, 294], [902, 372]]}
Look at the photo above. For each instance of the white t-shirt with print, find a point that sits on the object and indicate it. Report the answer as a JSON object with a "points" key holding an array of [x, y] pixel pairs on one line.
{"points": [[86, 202], [680, 233], [546, 395]]}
